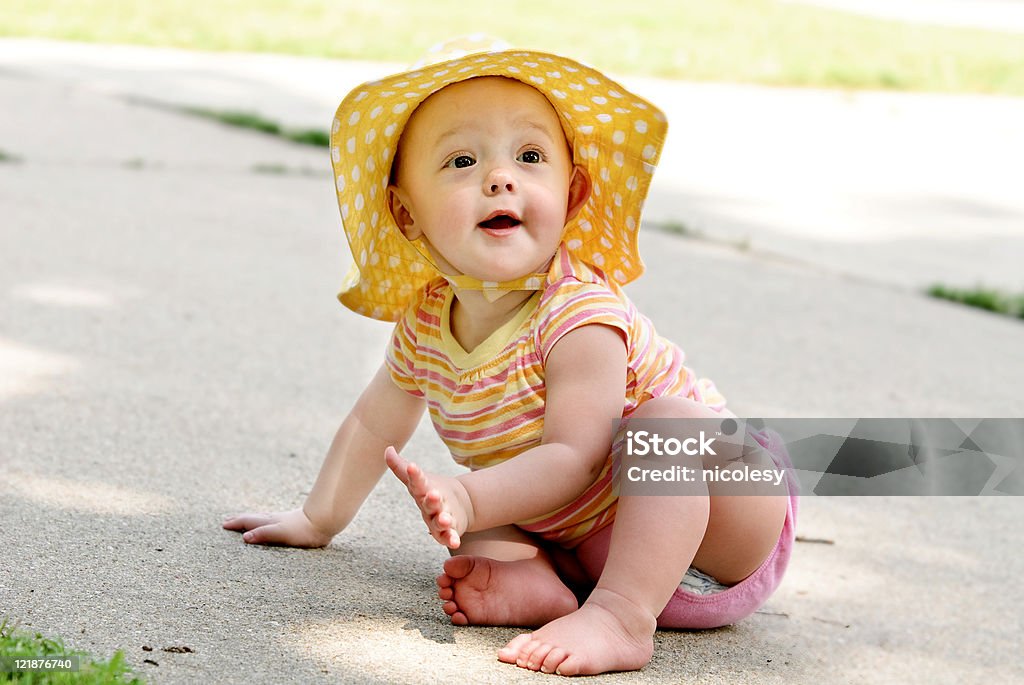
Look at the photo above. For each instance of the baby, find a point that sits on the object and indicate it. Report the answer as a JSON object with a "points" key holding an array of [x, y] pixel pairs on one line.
{"points": [[492, 201]]}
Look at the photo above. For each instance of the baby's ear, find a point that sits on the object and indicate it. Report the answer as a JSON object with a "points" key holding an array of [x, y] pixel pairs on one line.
{"points": [[579, 192], [398, 204]]}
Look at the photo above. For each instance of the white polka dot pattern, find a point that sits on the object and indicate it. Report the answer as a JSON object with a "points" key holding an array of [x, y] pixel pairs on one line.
{"points": [[614, 134]]}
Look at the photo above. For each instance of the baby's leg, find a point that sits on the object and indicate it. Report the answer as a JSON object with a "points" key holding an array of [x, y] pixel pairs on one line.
{"points": [[653, 541], [502, 577]]}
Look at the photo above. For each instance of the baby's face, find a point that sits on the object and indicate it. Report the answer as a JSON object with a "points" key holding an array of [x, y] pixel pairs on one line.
{"points": [[486, 178]]}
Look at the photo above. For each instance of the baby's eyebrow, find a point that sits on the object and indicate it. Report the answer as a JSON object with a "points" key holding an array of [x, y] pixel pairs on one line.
{"points": [[448, 134], [523, 123], [535, 126]]}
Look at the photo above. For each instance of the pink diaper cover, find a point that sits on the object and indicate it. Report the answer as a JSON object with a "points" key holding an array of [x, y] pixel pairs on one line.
{"points": [[687, 610]]}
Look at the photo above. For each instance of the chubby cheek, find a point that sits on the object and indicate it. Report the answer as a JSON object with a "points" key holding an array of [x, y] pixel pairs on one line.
{"points": [[549, 206], [454, 204]]}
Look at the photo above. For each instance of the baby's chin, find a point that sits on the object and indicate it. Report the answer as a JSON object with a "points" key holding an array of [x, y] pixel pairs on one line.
{"points": [[516, 273], [499, 270]]}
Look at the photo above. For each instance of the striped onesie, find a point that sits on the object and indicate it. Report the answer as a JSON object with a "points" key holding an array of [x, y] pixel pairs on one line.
{"points": [[487, 405]]}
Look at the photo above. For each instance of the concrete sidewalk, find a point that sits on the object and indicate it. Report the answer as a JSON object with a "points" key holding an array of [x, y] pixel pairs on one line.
{"points": [[171, 352]]}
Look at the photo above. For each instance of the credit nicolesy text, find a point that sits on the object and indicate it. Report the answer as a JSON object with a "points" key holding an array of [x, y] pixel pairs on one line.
{"points": [[644, 443], [685, 474]]}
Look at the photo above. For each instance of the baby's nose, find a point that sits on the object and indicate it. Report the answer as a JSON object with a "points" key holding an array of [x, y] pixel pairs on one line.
{"points": [[499, 181]]}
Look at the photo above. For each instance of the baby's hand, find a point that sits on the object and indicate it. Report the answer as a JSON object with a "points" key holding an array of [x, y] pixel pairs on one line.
{"points": [[443, 501], [290, 528]]}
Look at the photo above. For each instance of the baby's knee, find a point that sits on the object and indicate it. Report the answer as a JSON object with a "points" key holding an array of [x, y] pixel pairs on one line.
{"points": [[676, 408]]}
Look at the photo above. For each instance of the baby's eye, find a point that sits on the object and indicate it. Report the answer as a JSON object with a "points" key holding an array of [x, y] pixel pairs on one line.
{"points": [[530, 157], [461, 162]]}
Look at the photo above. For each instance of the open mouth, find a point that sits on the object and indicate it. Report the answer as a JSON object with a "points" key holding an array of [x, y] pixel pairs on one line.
{"points": [[500, 220]]}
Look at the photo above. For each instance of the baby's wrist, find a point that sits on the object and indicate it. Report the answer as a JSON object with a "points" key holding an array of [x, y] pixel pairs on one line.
{"points": [[323, 527]]}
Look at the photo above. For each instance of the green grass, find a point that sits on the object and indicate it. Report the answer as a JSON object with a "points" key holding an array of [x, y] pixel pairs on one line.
{"points": [[240, 119], [678, 228], [250, 120], [19, 644], [316, 138], [275, 169], [988, 299], [753, 41]]}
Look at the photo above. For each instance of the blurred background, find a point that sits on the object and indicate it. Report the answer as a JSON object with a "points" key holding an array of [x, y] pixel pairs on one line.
{"points": [[879, 140], [953, 46]]}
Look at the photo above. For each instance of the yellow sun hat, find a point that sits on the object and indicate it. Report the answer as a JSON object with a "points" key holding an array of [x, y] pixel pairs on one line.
{"points": [[616, 135]]}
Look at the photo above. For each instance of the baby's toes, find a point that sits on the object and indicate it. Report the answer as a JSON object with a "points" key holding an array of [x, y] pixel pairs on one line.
{"points": [[510, 652], [553, 660], [571, 665], [526, 653], [538, 655]]}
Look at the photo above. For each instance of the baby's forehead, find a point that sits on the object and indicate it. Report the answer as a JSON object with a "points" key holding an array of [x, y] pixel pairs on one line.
{"points": [[460, 100], [483, 85]]}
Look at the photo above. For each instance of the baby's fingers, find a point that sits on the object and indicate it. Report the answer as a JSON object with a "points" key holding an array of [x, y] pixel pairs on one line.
{"points": [[451, 539], [397, 464], [291, 528], [431, 504], [444, 530], [419, 486], [445, 536], [271, 534], [445, 520], [410, 474], [243, 522]]}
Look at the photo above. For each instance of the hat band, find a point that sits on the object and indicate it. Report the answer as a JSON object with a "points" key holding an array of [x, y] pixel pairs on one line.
{"points": [[491, 290]]}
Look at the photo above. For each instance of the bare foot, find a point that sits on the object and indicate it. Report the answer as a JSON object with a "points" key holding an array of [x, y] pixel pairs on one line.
{"points": [[608, 633], [485, 592]]}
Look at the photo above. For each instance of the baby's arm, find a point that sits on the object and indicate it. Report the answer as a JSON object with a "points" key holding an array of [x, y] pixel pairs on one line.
{"points": [[384, 415], [585, 384]]}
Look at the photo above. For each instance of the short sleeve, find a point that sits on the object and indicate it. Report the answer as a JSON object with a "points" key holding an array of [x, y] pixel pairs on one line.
{"points": [[706, 392], [401, 353], [572, 304]]}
